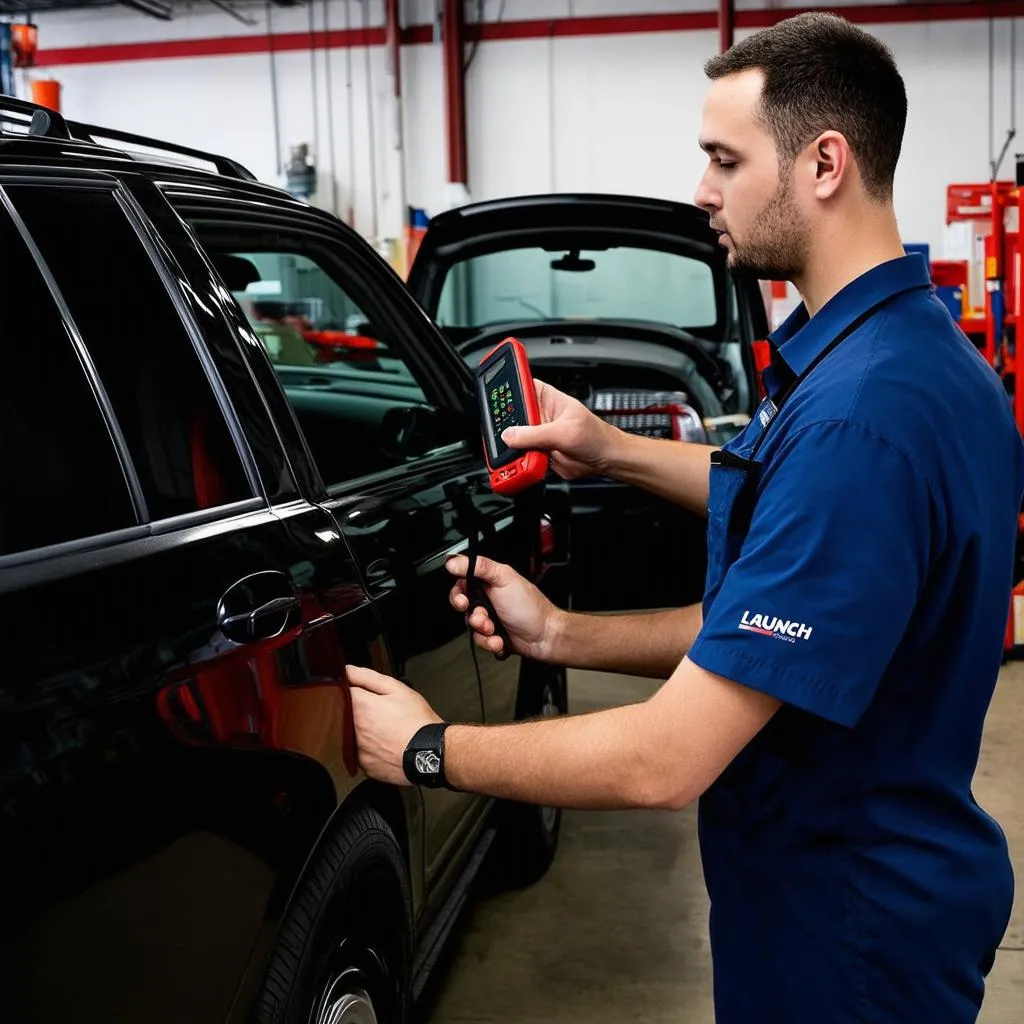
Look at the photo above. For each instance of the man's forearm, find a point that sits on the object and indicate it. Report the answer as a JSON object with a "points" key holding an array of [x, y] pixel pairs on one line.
{"points": [[678, 472], [599, 761], [661, 753], [645, 644]]}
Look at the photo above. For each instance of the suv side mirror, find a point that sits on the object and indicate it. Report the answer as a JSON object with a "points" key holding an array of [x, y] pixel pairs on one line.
{"points": [[409, 431]]}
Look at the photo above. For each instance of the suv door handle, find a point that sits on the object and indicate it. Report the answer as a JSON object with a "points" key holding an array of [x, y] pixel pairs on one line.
{"points": [[259, 607]]}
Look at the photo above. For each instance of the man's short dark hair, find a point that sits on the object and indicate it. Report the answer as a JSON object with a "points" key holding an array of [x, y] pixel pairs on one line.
{"points": [[821, 73]]}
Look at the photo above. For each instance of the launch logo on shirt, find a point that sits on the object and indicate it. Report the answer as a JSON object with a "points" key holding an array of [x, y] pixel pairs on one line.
{"points": [[771, 625]]}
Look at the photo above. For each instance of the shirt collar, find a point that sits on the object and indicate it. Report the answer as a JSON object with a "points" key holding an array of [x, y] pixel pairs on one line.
{"points": [[800, 338]]}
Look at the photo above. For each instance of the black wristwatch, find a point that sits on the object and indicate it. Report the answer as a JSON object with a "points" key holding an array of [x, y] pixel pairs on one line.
{"points": [[423, 760]]}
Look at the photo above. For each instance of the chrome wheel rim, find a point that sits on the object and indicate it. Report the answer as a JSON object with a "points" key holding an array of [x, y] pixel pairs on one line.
{"points": [[345, 1002]]}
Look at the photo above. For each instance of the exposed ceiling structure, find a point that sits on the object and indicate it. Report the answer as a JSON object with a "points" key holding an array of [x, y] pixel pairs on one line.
{"points": [[162, 9]]}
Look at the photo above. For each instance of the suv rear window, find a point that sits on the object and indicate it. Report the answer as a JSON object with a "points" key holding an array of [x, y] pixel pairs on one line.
{"points": [[59, 472], [175, 431], [617, 283]]}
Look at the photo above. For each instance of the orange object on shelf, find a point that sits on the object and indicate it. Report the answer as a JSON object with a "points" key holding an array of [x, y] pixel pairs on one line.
{"points": [[46, 92], [24, 44]]}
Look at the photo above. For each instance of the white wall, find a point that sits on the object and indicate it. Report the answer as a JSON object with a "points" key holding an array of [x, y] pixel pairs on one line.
{"points": [[608, 113]]}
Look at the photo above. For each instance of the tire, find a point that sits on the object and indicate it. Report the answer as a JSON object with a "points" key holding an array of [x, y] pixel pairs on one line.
{"points": [[528, 834], [344, 951]]}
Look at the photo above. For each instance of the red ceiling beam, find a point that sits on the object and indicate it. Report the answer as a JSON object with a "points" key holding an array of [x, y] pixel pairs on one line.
{"points": [[224, 46], [622, 24]]}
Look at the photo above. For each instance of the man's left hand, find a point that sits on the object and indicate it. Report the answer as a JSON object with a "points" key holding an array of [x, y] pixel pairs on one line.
{"points": [[387, 715]]}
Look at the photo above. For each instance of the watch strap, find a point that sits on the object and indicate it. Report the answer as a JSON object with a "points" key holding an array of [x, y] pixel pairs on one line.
{"points": [[423, 759]]}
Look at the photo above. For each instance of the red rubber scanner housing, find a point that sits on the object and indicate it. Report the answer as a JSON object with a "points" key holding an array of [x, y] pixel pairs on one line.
{"points": [[513, 470]]}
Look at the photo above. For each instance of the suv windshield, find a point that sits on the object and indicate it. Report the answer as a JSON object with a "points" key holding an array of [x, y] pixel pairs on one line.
{"points": [[616, 283]]}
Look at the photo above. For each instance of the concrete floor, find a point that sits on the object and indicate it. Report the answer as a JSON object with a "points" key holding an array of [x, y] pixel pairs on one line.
{"points": [[617, 930]]}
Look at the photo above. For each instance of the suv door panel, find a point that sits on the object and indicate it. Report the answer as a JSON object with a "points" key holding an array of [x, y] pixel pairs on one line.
{"points": [[401, 523], [162, 785]]}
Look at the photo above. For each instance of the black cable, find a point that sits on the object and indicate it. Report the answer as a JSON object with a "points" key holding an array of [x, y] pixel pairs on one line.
{"points": [[476, 42], [479, 23]]}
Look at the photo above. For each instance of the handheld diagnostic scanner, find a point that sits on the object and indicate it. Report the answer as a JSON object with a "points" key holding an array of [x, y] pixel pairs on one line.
{"points": [[508, 398]]}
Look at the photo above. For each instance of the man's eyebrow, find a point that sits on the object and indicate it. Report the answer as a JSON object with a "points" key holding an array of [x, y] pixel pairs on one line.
{"points": [[713, 147]]}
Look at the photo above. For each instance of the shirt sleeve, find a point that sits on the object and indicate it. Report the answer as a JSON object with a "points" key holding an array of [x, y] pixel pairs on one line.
{"points": [[829, 575]]}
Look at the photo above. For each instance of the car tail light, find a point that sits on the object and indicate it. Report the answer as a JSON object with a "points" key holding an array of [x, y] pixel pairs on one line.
{"points": [[762, 357]]}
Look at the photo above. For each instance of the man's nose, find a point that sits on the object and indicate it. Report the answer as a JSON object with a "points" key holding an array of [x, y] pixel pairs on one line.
{"points": [[707, 197]]}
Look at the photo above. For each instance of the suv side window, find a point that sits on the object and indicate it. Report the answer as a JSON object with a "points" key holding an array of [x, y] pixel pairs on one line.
{"points": [[342, 374], [59, 472], [174, 429]]}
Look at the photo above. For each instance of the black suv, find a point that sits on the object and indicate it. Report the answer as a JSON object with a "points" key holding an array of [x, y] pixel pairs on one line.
{"points": [[235, 455]]}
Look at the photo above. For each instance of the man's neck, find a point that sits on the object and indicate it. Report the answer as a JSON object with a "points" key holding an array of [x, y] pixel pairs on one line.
{"points": [[844, 250]]}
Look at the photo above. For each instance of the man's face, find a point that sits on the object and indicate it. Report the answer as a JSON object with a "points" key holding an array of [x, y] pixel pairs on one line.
{"points": [[749, 197]]}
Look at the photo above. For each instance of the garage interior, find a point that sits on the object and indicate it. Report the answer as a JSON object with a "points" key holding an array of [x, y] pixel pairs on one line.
{"points": [[385, 113]]}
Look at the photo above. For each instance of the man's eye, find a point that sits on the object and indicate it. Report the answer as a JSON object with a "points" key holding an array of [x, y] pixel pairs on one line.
{"points": [[727, 165]]}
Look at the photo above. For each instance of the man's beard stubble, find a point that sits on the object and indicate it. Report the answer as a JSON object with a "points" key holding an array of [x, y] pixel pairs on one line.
{"points": [[775, 248]]}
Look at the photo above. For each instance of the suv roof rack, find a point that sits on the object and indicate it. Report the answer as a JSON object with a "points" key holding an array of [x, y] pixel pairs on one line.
{"points": [[43, 122], [224, 164]]}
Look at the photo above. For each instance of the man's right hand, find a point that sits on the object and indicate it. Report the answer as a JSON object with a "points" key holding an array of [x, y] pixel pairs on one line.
{"points": [[580, 443], [530, 619]]}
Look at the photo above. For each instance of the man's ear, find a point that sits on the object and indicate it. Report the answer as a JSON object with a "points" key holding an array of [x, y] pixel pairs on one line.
{"points": [[834, 162]]}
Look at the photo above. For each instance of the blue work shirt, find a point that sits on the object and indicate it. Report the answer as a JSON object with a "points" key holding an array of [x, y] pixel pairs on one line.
{"points": [[866, 584]]}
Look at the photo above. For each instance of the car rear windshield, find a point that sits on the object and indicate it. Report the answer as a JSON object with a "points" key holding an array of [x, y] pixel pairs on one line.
{"points": [[616, 283]]}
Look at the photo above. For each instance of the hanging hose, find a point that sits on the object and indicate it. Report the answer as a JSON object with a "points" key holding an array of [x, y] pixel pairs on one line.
{"points": [[370, 128], [273, 89], [329, 88], [991, 97], [313, 81], [1011, 132], [351, 219]]}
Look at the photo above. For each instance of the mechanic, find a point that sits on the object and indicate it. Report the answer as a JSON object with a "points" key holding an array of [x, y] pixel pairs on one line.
{"points": [[825, 701]]}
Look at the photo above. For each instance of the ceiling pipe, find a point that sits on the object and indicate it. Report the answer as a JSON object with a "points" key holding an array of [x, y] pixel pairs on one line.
{"points": [[726, 23], [453, 39], [150, 7]]}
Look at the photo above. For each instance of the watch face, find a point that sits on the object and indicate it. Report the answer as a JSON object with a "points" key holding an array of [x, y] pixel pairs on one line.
{"points": [[427, 762]]}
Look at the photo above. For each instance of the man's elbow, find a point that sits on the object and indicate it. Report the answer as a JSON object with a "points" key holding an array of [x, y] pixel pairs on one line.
{"points": [[662, 791]]}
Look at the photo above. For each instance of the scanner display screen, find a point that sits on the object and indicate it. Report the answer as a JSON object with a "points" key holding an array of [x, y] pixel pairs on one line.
{"points": [[501, 401]]}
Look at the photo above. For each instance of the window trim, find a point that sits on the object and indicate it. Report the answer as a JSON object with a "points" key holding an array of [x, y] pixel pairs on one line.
{"points": [[38, 564], [154, 247], [181, 244], [84, 357]]}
